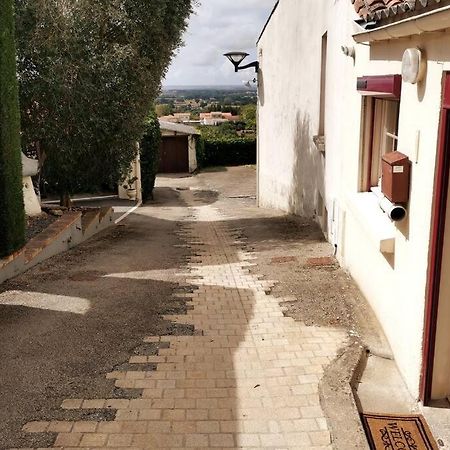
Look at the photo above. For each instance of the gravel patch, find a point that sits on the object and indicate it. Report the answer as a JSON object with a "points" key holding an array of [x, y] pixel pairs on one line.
{"points": [[37, 224]]}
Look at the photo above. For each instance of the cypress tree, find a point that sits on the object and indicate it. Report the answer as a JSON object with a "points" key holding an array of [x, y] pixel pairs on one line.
{"points": [[12, 215]]}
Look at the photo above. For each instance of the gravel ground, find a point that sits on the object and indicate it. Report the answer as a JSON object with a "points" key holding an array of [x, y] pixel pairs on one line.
{"points": [[48, 356], [37, 224], [322, 295]]}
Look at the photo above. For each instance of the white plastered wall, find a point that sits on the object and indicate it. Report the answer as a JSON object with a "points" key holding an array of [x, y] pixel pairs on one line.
{"points": [[290, 167], [394, 284], [30, 168], [135, 172], [192, 154]]}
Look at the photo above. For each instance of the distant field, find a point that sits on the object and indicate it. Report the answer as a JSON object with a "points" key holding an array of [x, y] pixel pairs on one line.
{"points": [[202, 88], [226, 95]]}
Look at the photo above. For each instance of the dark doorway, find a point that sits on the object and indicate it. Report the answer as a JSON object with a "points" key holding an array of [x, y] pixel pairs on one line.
{"points": [[174, 154]]}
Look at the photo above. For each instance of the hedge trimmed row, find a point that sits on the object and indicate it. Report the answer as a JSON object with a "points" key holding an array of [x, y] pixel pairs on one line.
{"points": [[226, 152], [12, 215]]}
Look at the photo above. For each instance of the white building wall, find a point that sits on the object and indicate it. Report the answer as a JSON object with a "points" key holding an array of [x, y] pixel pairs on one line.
{"points": [[193, 166], [291, 171], [395, 285], [290, 167]]}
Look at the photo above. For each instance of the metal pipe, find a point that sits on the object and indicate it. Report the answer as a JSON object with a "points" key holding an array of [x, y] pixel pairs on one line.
{"points": [[394, 211]]}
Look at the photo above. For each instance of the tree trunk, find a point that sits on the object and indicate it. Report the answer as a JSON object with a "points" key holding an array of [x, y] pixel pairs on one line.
{"points": [[38, 180], [65, 200]]}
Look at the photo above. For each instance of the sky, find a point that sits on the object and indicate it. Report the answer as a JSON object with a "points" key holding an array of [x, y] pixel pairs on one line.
{"points": [[216, 27]]}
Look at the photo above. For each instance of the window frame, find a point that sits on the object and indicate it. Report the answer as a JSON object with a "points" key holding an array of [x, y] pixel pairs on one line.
{"points": [[372, 136]]}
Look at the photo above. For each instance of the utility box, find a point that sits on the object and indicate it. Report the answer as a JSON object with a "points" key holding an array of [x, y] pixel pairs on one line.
{"points": [[396, 169]]}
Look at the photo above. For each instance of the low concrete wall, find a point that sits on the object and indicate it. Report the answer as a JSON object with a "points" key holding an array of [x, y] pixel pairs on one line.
{"points": [[67, 232]]}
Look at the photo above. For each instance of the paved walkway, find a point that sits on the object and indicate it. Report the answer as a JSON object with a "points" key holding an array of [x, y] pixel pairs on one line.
{"points": [[247, 378]]}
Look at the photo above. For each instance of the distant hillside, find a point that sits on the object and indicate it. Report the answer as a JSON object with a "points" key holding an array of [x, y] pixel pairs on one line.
{"points": [[237, 87], [206, 98]]}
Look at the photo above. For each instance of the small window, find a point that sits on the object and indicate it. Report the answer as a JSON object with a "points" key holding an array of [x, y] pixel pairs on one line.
{"points": [[380, 136]]}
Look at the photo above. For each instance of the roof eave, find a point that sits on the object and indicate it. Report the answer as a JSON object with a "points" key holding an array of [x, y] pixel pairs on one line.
{"points": [[178, 128], [268, 21], [432, 21]]}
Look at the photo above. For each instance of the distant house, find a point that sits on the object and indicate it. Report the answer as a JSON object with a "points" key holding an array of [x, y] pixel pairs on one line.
{"points": [[217, 118], [178, 155], [177, 118], [343, 85], [178, 148]]}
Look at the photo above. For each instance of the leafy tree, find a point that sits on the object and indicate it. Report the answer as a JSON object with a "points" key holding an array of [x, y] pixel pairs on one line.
{"points": [[224, 130], [12, 216], [163, 110], [248, 115], [90, 71]]}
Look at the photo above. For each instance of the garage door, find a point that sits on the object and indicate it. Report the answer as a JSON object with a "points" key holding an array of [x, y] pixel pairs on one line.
{"points": [[174, 155]]}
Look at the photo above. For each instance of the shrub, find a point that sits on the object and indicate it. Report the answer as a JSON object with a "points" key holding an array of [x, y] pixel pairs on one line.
{"points": [[12, 216], [220, 146], [248, 116], [230, 152], [200, 151], [150, 156]]}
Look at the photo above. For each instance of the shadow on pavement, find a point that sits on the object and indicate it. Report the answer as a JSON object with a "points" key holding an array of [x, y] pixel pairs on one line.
{"points": [[128, 276]]}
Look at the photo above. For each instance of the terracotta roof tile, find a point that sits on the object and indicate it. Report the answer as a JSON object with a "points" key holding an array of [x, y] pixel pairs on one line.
{"points": [[391, 10], [377, 10], [368, 8]]}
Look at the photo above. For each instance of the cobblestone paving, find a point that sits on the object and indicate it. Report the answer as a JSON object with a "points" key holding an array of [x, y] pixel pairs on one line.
{"points": [[247, 378]]}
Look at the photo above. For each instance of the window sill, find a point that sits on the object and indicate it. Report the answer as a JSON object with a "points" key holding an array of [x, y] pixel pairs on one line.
{"points": [[365, 207]]}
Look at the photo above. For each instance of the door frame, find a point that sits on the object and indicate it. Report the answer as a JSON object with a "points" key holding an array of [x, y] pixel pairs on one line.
{"points": [[439, 209]]}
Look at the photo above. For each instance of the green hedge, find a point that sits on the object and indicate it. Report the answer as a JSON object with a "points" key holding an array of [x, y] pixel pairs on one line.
{"points": [[12, 216], [150, 157], [226, 151]]}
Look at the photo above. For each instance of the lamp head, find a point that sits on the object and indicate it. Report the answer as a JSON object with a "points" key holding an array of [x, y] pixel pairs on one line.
{"points": [[236, 58]]}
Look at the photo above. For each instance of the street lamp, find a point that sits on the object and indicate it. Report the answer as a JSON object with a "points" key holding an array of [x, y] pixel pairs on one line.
{"points": [[237, 57]]}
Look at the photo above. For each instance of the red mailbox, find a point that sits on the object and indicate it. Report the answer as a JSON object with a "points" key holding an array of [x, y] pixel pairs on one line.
{"points": [[396, 169]]}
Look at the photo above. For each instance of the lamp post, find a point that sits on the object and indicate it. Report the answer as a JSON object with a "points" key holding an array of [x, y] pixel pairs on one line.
{"points": [[237, 57]]}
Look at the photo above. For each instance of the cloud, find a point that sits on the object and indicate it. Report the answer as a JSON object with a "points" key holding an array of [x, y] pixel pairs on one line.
{"points": [[216, 27]]}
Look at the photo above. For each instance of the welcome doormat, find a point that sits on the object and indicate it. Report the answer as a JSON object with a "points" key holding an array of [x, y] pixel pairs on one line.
{"points": [[387, 432]]}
